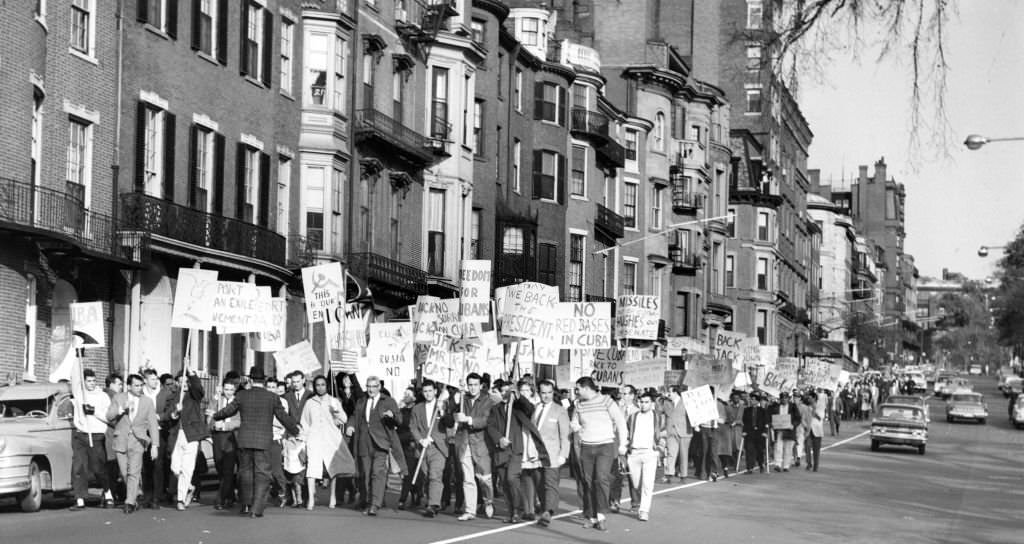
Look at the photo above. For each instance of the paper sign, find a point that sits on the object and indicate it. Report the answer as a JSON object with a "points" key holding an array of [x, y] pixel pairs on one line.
{"points": [[700, 405], [241, 307], [782, 378], [782, 422], [475, 291], [637, 317], [273, 339], [390, 351], [193, 299], [324, 286], [705, 370], [584, 325], [820, 374], [768, 356], [730, 346], [530, 352], [87, 323], [645, 373], [485, 357], [297, 357], [425, 320], [440, 365], [527, 310], [608, 367], [676, 345]]}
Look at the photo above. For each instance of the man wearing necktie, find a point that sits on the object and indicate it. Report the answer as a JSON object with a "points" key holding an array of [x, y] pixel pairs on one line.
{"points": [[133, 416], [376, 434], [518, 444], [552, 422]]}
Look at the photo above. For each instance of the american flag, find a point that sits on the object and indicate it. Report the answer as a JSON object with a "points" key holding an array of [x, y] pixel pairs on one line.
{"points": [[344, 360]]}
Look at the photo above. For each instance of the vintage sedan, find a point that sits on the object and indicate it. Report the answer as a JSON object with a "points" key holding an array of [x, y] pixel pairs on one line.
{"points": [[35, 442], [901, 425], [966, 405], [913, 400]]}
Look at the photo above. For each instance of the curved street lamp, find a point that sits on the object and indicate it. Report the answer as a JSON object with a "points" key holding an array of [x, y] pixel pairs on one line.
{"points": [[975, 141], [983, 250]]}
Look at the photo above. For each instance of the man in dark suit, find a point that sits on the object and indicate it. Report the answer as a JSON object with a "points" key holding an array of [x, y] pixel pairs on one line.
{"points": [[296, 396], [755, 432], [257, 409], [429, 432], [375, 429], [512, 434]]}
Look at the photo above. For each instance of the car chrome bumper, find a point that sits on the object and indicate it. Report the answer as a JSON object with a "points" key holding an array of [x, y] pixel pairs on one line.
{"points": [[14, 474], [906, 439]]}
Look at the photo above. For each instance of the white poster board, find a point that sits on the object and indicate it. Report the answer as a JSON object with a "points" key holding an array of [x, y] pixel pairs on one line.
{"points": [[475, 290], [87, 323], [240, 307], [700, 405], [584, 325], [637, 317], [324, 287], [193, 299], [298, 356], [390, 352], [645, 373], [527, 310], [782, 378], [608, 367], [273, 339]]}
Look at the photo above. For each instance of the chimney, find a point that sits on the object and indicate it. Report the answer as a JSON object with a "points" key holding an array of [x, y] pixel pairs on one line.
{"points": [[863, 177], [880, 170]]}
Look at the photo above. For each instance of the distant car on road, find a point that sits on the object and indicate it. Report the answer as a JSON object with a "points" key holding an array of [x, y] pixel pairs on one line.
{"points": [[35, 442], [1017, 412], [974, 370], [966, 405], [1010, 384], [900, 424], [912, 400], [954, 384]]}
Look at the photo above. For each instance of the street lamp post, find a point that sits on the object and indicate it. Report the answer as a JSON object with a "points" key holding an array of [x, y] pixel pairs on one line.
{"points": [[975, 141]]}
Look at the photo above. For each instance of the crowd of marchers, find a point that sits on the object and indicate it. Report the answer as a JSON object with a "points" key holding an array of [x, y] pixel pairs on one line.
{"points": [[298, 442]]}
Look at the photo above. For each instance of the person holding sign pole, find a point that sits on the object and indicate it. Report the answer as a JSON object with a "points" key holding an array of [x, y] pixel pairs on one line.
{"points": [[471, 446], [191, 429], [88, 450], [517, 444], [603, 436], [428, 430]]}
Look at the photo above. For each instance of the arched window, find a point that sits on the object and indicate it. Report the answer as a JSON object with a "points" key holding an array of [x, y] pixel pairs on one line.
{"points": [[659, 132]]}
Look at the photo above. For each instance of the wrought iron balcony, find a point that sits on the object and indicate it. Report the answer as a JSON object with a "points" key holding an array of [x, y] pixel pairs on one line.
{"points": [[612, 153], [407, 144], [62, 217], [691, 154], [301, 251], [609, 223], [591, 124], [683, 261], [684, 201], [388, 275], [147, 213]]}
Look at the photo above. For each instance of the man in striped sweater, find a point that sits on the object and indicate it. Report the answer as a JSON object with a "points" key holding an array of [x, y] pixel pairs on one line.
{"points": [[601, 428]]}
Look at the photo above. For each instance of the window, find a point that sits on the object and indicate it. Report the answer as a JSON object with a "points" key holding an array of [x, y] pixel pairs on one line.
{"points": [[890, 204], [717, 263], [659, 132], [683, 312], [316, 67], [577, 248], [654, 280], [36, 150], [531, 31], [201, 171], [394, 234], [284, 181], [545, 176], [435, 232], [79, 167], [367, 184], [398, 97], [256, 42], [580, 96], [250, 182], [315, 230], [467, 122], [763, 232], [762, 274], [753, 101], [517, 150], [157, 14], [340, 68], [478, 128], [753, 57], [547, 102], [629, 278], [29, 361], [730, 271], [154, 161], [209, 28], [547, 265], [755, 14], [439, 105], [578, 184], [762, 326], [369, 66], [474, 235], [315, 181], [629, 203], [518, 90], [287, 39], [631, 138], [83, 26], [730, 222], [478, 29], [656, 204], [339, 181], [517, 253]]}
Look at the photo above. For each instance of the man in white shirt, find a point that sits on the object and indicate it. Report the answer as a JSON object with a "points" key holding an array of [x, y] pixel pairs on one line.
{"points": [[89, 455], [645, 441]]}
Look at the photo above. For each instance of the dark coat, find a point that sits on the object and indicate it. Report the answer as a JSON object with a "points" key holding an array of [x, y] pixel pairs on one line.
{"points": [[794, 416], [755, 421], [522, 420], [380, 433], [257, 409], [295, 406], [191, 418]]}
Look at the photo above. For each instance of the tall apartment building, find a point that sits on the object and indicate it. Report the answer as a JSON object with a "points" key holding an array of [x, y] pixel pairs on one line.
{"points": [[770, 137]]}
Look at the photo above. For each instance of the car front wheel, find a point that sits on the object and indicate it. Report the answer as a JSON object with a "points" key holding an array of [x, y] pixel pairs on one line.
{"points": [[32, 500], [874, 445], [920, 449]]}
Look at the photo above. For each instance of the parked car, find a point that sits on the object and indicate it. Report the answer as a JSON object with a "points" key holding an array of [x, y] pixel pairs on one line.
{"points": [[1017, 412], [35, 442], [912, 400], [966, 405], [1010, 384], [900, 424]]}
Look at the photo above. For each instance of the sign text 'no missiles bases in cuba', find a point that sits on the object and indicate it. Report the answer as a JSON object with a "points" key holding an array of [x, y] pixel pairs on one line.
{"points": [[584, 325], [637, 317]]}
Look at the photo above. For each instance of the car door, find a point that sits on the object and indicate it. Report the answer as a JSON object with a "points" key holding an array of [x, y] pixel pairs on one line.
{"points": [[55, 440]]}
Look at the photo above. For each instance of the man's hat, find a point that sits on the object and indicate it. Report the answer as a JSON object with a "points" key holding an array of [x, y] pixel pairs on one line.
{"points": [[256, 373]]}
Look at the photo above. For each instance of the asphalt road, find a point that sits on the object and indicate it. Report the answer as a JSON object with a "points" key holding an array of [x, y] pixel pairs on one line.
{"points": [[967, 488]]}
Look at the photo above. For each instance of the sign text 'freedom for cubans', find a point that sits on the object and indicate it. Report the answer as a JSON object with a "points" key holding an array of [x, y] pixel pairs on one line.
{"points": [[324, 286], [475, 290], [637, 316], [584, 325], [390, 352], [193, 299], [528, 311], [87, 323]]}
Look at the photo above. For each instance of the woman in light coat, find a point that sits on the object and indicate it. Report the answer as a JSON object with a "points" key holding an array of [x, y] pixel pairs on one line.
{"points": [[327, 456]]}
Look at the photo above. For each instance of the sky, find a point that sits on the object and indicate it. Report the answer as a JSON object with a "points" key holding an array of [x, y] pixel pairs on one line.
{"points": [[957, 199]]}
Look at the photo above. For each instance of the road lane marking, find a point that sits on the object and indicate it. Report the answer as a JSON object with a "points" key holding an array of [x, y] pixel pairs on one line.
{"points": [[512, 527]]}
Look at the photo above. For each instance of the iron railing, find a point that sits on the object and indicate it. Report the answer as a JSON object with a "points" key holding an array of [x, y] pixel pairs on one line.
{"points": [[683, 199], [610, 222], [612, 152], [378, 268], [372, 123], [301, 251], [683, 260], [157, 216], [590, 122]]}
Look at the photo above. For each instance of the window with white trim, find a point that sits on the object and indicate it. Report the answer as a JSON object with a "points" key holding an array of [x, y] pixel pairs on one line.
{"points": [[340, 67], [578, 184], [761, 326], [631, 150], [654, 279], [207, 26], [31, 310], [284, 181], [753, 57], [763, 229], [287, 53], [629, 203], [518, 90], [629, 278], [577, 249], [153, 151], [251, 185], [755, 14], [530, 34], [202, 157], [316, 67], [36, 150], [314, 180], [83, 26], [659, 132], [762, 274], [657, 193], [730, 271], [79, 166], [517, 156], [253, 46], [753, 101]]}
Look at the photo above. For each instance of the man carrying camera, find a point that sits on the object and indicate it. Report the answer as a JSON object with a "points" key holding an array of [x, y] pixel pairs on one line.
{"points": [[88, 442]]}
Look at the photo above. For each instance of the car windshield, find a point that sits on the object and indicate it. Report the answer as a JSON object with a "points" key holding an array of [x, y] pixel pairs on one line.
{"points": [[901, 412], [19, 408], [970, 399]]}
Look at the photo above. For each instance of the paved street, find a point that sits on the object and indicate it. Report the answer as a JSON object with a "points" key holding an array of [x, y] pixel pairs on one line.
{"points": [[966, 489]]}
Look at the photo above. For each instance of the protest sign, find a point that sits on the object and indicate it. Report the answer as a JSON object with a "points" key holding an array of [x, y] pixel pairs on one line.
{"points": [[390, 351], [193, 299], [706, 370], [844, 377], [584, 325], [700, 405], [485, 357], [637, 317], [782, 378], [782, 422], [273, 339], [441, 365], [644, 373], [677, 344], [608, 367], [730, 346], [531, 352], [324, 286], [298, 356], [820, 374], [768, 356], [87, 323], [528, 311], [241, 307], [750, 351], [475, 291], [673, 377], [425, 319]]}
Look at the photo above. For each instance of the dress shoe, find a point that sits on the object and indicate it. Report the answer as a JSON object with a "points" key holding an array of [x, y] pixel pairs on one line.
{"points": [[466, 517], [180, 506], [714, 476], [372, 511], [545, 519], [613, 507], [246, 510], [430, 512], [129, 508], [401, 505]]}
